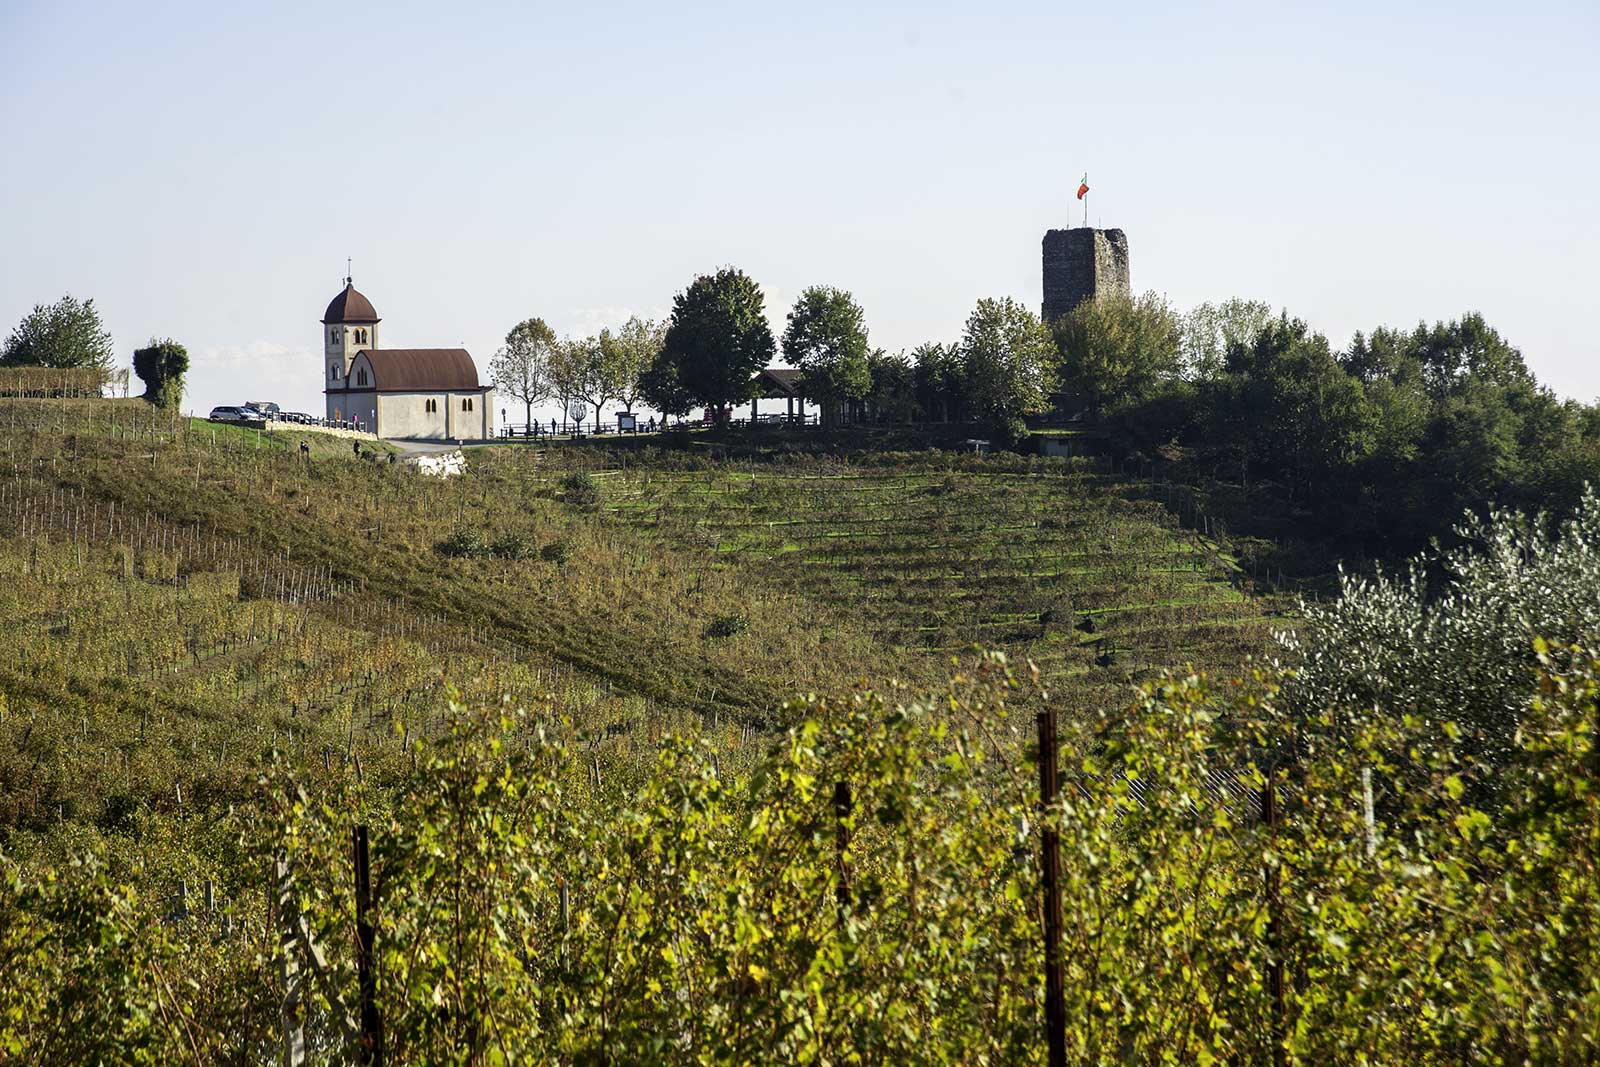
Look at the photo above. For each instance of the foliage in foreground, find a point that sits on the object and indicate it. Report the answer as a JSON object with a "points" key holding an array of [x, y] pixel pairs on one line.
{"points": [[532, 908]]}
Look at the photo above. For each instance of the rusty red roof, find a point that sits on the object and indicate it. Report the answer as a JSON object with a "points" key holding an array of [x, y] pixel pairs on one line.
{"points": [[349, 306], [421, 369]]}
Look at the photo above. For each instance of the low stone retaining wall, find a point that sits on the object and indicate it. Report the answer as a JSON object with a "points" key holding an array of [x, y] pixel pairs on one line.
{"points": [[300, 427]]}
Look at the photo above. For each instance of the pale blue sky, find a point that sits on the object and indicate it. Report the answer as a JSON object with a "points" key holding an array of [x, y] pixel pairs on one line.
{"points": [[202, 171]]}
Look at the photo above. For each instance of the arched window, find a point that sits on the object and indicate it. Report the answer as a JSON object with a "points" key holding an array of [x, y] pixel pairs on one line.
{"points": [[361, 376], [333, 372], [333, 337], [466, 403], [361, 337]]}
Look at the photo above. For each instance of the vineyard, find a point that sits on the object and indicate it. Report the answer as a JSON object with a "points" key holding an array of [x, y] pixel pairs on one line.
{"points": [[670, 759]]}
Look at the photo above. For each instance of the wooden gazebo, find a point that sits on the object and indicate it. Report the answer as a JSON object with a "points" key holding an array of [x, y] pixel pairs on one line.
{"points": [[779, 383]]}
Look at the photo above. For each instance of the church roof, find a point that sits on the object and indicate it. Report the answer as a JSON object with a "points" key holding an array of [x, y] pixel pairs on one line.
{"points": [[421, 369], [349, 306]]}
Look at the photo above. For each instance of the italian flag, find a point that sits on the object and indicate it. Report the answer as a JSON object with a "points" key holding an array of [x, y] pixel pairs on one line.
{"points": [[1083, 186]]}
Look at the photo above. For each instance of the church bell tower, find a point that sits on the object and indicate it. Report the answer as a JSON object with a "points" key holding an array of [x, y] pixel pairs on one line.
{"points": [[349, 325]]}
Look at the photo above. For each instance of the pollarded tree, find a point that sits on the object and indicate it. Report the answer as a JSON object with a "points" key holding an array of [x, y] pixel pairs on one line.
{"points": [[827, 339], [627, 354], [717, 341], [1008, 363], [162, 365], [68, 333], [522, 366]]}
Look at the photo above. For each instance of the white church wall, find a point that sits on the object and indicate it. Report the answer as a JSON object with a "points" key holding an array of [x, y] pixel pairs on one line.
{"points": [[406, 415]]}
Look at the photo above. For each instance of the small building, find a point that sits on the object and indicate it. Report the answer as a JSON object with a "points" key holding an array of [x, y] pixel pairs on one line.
{"points": [[420, 393], [779, 383]]}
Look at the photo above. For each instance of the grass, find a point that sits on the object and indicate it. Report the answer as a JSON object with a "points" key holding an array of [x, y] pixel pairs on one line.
{"points": [[184, 599]]}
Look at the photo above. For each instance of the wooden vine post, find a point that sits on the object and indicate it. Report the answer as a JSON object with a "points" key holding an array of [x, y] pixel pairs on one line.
{"points": [[371, 1050], [1055, 1008], [843, 804], [1280, 1014]]}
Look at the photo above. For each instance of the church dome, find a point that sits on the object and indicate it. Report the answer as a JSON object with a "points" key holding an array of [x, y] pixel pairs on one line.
{"points": [[349, 307]]}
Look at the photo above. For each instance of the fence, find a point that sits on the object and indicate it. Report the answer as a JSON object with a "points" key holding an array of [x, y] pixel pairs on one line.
{"points": [[56, 383]]}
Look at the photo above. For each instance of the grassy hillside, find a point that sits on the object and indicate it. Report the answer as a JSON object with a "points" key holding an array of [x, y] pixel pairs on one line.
{"points": [[556, 694]]}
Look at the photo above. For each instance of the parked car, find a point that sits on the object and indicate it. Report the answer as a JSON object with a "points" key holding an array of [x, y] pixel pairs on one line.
{"points": [[229, 414], [265, 408]]}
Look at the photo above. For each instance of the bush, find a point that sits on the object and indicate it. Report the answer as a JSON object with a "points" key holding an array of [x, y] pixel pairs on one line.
{"points": [[580, 488], [724, 626], [511, 546], [464, 542], [557, 552]]}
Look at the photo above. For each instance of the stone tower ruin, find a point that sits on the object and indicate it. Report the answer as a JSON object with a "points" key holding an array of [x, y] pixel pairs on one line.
{"points": [[1082, 264]]}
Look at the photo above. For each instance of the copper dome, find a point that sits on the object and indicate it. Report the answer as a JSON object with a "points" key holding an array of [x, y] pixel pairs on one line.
{"points": [[349, 307]]}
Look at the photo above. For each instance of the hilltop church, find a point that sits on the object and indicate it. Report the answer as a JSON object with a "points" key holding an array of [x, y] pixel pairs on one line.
{"points": [[424, 393]]}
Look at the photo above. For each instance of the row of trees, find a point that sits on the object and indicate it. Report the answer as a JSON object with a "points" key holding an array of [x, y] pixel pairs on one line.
{"points": [[1382, 441], [69, 335], [534, 365], [718, 340]]}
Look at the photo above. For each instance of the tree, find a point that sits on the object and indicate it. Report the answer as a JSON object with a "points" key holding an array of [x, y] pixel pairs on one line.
{"points": [[716, 342], [826, 338], [68, 333], [1008, 364], [938, 380], [1285, 406], [893, 395], [1119, 348], [628, 353], [522, 366], [1208, 331], [162, 365], [570, 364], [659, 387], [1450, 641]]}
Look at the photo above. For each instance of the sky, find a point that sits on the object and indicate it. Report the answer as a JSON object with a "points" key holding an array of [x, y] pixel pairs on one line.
{"points": [[203, 171]]}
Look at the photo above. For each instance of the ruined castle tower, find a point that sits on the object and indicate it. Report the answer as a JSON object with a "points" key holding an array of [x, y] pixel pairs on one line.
{"points": [[1082, 264]]}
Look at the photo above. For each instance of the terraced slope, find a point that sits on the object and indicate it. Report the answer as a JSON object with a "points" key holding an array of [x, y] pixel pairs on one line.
{"points": [[1065, 568]]}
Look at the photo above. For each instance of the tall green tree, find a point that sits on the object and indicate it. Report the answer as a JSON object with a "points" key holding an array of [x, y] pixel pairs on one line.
{"points": [[1119, 348], [521, 368], [826, 337], [571, 366], [1008, 363], [162, 365], [1209, 330], [629, 352], [893, 394], [716, 342], [938, 380], [68, 333]]}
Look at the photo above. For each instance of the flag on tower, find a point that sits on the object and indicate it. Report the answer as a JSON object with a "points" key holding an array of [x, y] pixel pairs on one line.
{"points": [[1083, 186]]}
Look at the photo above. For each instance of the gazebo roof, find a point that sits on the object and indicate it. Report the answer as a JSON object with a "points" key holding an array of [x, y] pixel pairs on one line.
{"points": [[777, 383]]}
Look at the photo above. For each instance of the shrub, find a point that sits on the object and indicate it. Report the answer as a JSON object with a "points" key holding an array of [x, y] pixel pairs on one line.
{"points": [[464, 542], [580, 488], [556, 552], [725, 626], [511, 546]]}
